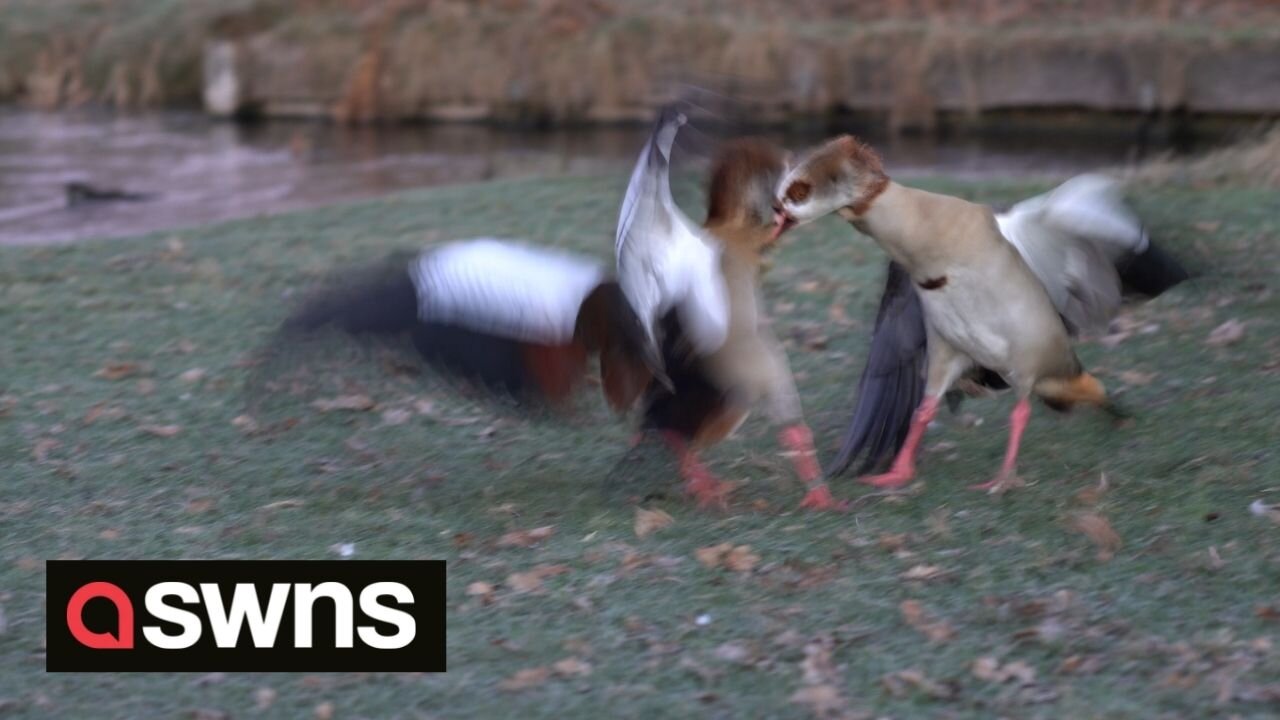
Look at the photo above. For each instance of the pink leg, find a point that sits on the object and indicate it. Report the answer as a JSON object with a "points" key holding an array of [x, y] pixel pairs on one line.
{"points": [[699, 482], [1008, 471], [904, 465], [799, 443]]}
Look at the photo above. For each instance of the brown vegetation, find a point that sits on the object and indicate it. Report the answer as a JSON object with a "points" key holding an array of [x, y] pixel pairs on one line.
{"points": [[603, 60]]}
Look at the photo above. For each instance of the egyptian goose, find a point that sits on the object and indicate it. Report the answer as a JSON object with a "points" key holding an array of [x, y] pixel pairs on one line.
{"points": [[983, 304], [1085, 209], [678, 330]]}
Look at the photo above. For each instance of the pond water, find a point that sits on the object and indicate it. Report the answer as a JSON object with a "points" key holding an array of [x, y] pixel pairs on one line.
{"points": [[193, 170]]}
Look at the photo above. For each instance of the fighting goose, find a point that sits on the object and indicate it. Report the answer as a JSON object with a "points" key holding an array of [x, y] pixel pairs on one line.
{"points": [[682, 308], [984, 306], [1085, 213]]}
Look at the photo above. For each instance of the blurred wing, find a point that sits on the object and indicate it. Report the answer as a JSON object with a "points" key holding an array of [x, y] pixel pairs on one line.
{"points": [[892, 383], [504, 289], [665, 261], [1065, 238]]}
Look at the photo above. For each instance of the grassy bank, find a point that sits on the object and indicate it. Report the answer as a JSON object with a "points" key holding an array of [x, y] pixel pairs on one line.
{"points": [[119, 433]]}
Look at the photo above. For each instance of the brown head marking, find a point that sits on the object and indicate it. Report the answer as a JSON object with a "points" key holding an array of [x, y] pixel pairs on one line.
{"points": [[741, 163]]}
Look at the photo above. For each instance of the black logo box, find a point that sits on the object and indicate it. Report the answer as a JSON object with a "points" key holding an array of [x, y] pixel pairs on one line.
{"points": [[425, 578]]}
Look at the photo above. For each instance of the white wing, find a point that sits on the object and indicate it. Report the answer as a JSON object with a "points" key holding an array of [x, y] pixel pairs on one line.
{"points": [[504, 288], [665, 261], [1072, 239]]}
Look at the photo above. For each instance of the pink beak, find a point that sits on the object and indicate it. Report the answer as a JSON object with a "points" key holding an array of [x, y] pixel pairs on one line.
{"points": [[782, 223]]}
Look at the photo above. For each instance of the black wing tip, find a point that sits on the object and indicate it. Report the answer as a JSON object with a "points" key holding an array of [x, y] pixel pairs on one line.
{"points": [[1153, 271]]}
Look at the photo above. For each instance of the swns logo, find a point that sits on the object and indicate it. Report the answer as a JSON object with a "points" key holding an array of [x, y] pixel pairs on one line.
{"points": [[259, 616]]}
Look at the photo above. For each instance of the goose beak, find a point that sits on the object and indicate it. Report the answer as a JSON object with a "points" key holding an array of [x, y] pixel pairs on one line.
{"points": [[782, 222]]}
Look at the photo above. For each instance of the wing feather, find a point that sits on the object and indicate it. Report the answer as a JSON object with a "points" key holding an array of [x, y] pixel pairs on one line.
{"points": [[665, 261]]}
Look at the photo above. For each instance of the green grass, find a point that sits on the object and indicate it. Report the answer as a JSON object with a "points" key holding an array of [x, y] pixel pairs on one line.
{"points": [[1167, 628]]}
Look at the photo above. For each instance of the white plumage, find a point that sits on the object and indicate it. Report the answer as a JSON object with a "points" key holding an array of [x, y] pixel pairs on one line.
{"points": [[665, 261], [505, 288], [1072, 238]]}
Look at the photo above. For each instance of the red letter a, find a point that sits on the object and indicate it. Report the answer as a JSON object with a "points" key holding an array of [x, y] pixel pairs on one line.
{"points": [[123, 639]]}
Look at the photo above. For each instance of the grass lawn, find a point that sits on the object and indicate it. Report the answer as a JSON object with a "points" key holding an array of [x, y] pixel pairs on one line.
{"points": [[123, 368]]}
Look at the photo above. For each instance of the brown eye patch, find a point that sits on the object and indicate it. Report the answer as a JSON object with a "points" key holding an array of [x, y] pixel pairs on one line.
{"points": [[799, 191]]}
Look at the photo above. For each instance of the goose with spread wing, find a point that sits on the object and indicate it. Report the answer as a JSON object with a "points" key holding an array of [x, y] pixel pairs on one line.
{"points": [[972, 295], [677, 329]]}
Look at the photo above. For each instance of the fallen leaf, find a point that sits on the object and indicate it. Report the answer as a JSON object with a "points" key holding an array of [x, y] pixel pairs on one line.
{"points": [[650, 521], [245, 423], [263, 698], [900, 684], [1133, 377], [102, 411], [324, 711], [1207, 226], [286, 504], [163, 431], [194, 375], [1228, 333], [892, 542], [525, 679], [209, 714], [358, 403], [117, 371], [40, 451], [109, 534], [732, 652], [1100, 532], [186, 347], [1091, 495], [146, 386], [480, 589], [817, 667], [396, 416], [571, 667], [710, 556], [989, 669], [923, 573], [531, 581], [199, 506], [1267, 612], [822, 700], [526, 538], [741, 559], [913, 614]]}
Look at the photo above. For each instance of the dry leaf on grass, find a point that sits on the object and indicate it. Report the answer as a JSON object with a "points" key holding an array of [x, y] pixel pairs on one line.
{"points": [[902, 683], [817, 667], [117, 371], [822, 700], [194, 375], [263, 698], [356, 403], [102, 411], [199, 506], [480, 588], [396, 416], [1091, 495], [324, 711], [163, 431], [525, 679], [571, 667], [531, 580], [40, 451], [1100, 532], [650, 521], [1133, 377], [990, 669], [244, 423], [913, 614], [526, 538], [1228, 333], [924, 573], [726, 555]]}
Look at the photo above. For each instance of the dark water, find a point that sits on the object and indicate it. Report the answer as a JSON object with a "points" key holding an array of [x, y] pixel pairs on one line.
{"points": [[199, 171]]}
